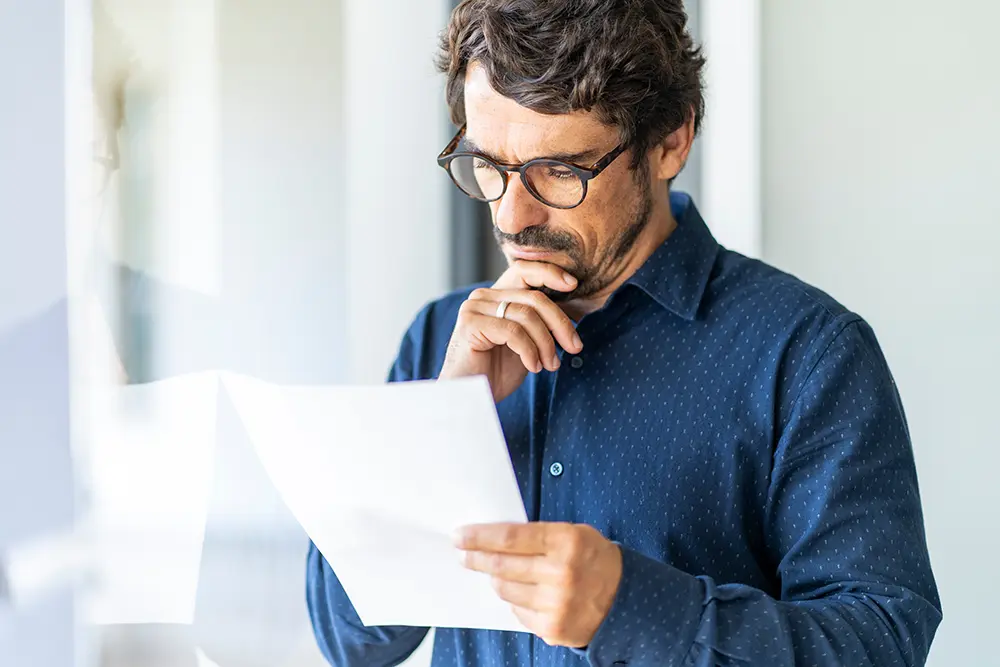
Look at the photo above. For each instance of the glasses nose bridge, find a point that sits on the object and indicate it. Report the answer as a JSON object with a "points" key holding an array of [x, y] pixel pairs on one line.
{"points": [[508, 172]]}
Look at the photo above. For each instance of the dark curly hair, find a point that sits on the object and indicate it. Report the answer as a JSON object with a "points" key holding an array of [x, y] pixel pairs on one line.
{"points": [[632, 62]]}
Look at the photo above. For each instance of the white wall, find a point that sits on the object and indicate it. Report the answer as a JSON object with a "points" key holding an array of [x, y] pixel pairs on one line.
{"points": [[333, 220], [397, 196], [730, 143], [282, 164], [881, 176], [233, 171], [32, 164], [36, 487]]}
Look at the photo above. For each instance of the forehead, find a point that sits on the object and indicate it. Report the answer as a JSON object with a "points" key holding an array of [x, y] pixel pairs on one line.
{"points": [[505, 128]]}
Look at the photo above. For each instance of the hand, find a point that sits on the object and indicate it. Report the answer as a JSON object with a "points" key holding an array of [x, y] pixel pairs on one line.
{"points": [[505, 350], [559, 578]]}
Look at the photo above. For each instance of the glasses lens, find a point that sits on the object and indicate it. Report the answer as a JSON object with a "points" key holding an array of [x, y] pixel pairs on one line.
{"points": [[477, 177], [555, 183]]}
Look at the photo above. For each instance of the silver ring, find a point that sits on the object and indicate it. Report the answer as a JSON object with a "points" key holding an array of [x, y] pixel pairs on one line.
{"points": [[502, 309]]}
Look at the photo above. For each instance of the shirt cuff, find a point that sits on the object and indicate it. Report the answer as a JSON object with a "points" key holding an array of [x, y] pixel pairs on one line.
{"points": [[654, 618]]}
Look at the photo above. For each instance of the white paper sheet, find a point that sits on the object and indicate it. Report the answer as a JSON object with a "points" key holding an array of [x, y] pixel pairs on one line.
{"points": [[150, 460], [380, 477]]}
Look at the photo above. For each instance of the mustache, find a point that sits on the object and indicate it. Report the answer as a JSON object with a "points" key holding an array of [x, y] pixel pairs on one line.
{"points": [[537, 237]]}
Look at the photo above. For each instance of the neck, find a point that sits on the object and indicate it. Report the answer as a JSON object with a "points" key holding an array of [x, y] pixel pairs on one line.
{"points": [[661, 225]]}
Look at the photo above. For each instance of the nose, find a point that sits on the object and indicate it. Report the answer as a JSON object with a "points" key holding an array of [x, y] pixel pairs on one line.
{"points": [[517, 209]]}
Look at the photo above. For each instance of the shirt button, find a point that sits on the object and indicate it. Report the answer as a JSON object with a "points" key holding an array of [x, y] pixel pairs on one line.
{"points": [[556, 469], [576, 362]]}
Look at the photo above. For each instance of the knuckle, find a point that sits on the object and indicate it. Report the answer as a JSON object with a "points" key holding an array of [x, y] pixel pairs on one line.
{"points": [[522, 334], [513, 329], [479, 294], [573, 541], [496, 563], [508, 539], [466, 309], [548, 346], [565, 605], [536, 316], [538, 299], [566, 576], [574, 555]]}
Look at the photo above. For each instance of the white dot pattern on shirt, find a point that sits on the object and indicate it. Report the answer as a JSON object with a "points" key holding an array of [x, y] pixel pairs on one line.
{"points": [[739, 434]]}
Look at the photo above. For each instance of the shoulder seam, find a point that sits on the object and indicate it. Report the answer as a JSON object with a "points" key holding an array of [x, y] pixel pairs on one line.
{"points": [[850, 320]]}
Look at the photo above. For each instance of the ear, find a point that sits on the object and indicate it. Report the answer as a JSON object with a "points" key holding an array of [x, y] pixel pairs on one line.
{"points": [[668, 157]]}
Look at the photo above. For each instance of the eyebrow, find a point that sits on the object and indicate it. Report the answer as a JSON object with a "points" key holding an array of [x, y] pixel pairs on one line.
{"points": [[582, 158]]}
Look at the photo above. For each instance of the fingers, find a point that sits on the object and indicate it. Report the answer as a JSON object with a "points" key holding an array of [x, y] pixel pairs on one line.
{"points": [[531, 321], [510, 567], [555, 320], [526, 539], [517, 593], [484, 331], [524, 275], [560, 579], [531, 326]]}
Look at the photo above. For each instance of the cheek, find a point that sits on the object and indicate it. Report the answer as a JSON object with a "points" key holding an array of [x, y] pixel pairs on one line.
{"points": [[597, 220], [611, 204], [584, 226]]}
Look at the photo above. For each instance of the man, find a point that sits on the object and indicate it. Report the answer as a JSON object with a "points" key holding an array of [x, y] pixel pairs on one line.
{"points": [[713, 454]]}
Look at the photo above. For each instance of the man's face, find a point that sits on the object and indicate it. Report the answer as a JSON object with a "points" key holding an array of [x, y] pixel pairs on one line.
{"points": [[589, 241]]}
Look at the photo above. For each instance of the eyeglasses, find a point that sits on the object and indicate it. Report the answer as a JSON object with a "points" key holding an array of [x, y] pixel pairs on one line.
{"points": [[553, 182]]}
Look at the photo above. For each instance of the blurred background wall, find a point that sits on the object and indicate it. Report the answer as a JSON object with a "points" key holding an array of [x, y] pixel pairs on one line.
{"points": [[36, 477], [282, 171], [881, 165]]}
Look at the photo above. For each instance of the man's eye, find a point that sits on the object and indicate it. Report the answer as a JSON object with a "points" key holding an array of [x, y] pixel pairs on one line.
{"points": [[482, 164], [560, 173]]}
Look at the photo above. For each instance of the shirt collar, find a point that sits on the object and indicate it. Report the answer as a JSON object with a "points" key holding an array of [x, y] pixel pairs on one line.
{"points": [[676, 274]]}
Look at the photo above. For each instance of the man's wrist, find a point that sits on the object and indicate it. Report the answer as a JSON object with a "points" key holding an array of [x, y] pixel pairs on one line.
{"points": [[657, 606]]}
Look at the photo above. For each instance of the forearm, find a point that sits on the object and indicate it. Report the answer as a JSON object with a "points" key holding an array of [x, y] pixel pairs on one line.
{"points": [[343, 639], [663, 616]]}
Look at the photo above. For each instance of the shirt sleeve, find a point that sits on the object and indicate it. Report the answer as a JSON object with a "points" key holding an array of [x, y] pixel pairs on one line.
{"points": [[343, 639], [844, 527]]}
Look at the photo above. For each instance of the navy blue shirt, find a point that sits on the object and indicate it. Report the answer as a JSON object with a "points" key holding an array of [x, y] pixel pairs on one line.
{"points": [[739, 434]]}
